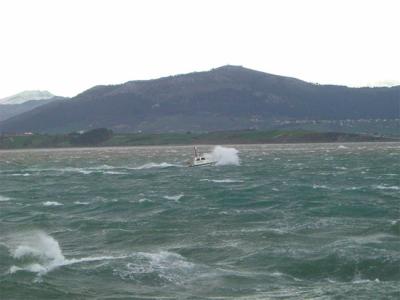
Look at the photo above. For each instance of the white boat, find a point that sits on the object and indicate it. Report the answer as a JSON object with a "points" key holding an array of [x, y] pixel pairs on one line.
{"points": [[200, 159]]}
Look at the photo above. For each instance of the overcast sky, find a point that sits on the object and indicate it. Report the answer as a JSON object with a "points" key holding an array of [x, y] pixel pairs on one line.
{"points": [[68, 46]]}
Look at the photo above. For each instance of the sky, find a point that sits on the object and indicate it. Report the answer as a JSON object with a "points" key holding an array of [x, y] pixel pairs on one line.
{"points": [[68, 46]]}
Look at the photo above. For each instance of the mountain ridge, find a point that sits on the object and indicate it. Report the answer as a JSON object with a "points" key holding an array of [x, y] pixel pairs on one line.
{"points": [[224, 98], [25, 96]]}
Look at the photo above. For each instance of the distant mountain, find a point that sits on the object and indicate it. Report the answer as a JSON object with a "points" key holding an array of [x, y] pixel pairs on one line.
{"points": [[225, 98], [10, 110], [26, 96]]}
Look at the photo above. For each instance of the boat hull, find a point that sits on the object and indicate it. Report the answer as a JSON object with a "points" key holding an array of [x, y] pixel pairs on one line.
{"points": [[202, 164]]}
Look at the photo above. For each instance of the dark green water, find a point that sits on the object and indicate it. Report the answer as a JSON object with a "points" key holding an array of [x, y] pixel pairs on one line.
{"points": [[290, 222]]}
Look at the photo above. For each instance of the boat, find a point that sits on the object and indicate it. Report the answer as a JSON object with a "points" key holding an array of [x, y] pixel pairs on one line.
{"points": [[200, 159]]}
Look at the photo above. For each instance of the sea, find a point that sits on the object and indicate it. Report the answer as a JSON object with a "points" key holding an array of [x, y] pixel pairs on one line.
{"points": [[299, 221]]}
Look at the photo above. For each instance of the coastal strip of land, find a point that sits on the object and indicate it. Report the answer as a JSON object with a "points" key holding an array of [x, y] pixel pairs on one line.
{"points": [[102, 137]]}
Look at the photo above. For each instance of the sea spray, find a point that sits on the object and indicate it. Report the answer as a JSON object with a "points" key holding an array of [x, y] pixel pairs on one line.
{"points": [[40, 253], [225, 156], [36, 251]]}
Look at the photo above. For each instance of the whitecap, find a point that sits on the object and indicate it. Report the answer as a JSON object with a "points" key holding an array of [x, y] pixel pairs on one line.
{"points": [[155, 165], [81, 203], [86, 170], [360, 281], [44, 254], [386, 187], [175, 197], [114, 173], [319, 186], [52, 203], [342, 147], [353, 188], [340, 168], [223, 180], [21, 174], [142, 200], [4, 198]]}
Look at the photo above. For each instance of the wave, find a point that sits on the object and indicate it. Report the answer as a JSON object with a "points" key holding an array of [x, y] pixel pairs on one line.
{"points": [[81, 203], [386, 187], [155, 165], [39, 253], [4, 198], [114, 173], [320, 186], [223, 180], [167, 266], [175, 198], [82, 170], [89, 170], [52, 203], [21, 174], [43, 253]]}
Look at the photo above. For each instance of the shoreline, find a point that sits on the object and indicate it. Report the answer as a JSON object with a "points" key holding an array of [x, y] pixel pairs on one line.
{"points": [[78, 148], [105, 138]]}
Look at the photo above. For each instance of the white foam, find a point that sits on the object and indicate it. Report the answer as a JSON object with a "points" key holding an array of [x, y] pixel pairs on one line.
{"points": [[155, 165], [361, 281], [223, 180], [44, 254], [319, 186], [81, 203], [224, 156], [4, 198], [86, 170], [21, 174], [342, 147], [114, 173], [175, 197], [142, 200], [166, 265], [340, 168], [386, 187], [52, 203]]}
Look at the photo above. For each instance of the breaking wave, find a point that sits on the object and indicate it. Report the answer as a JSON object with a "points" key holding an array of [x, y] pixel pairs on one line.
{"points": [[4, 198], [81, 203], [223, 180], [175, 197], [52, 203], [38, 252], [387, 187]]}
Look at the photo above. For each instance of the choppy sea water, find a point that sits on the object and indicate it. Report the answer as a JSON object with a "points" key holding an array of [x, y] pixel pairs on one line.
{"points": [[316, 221]]}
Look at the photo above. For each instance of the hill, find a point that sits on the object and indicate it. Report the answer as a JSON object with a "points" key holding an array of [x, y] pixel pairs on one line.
{"points": [[10, 110], [226, 98]]}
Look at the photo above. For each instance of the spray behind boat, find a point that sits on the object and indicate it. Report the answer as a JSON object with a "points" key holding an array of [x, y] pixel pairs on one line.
{"points": [[219, 156]]}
